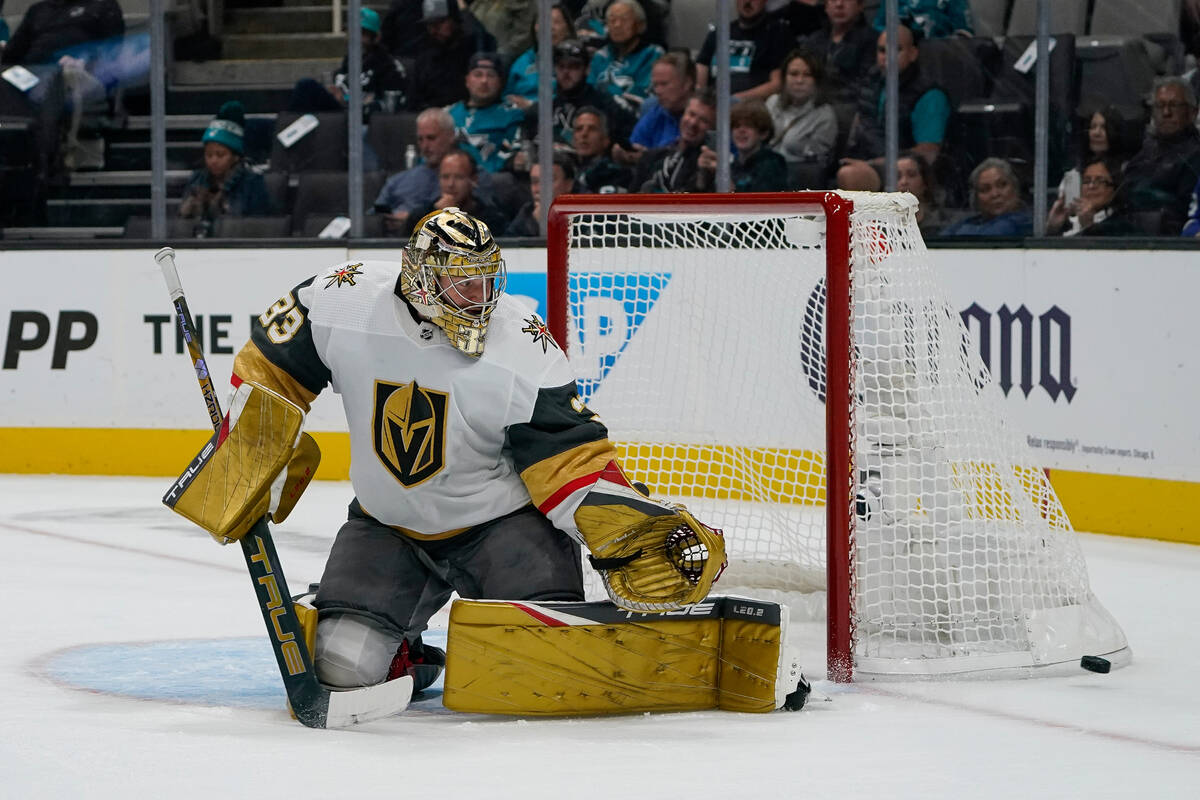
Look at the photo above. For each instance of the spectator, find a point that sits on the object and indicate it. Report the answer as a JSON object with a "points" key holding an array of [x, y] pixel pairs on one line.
{"points": [[407, 192], [996, 196], [1101, 139], [622, 67], [486, 128], [757, 46], [924, 111], [805, 125], [384, 79], [51, 26], [225, 186], [756, 168], [572, 92], [591, 25], [673, 80], [458, 187], [522, 86], [598, 173], [847, 43], [934, 19], [673, 168], [915, 176], [510, 21], [1161, 176], [802, 17], [402, 32], [452, 36], [527, 221], [1097, 212], [65, 82]]}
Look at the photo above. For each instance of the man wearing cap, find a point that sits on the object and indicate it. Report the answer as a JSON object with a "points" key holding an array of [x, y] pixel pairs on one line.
{"points": [[451, 36], [487, 129], [225, 185], [384, 80], [572, 92]]}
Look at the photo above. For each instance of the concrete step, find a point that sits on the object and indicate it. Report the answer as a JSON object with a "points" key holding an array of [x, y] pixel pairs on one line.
{"points": [[133, 177], [278, 73], [64, 232], [106, 186], [186, 155], [182, 122], [106, 212], [306, 18], [206, 98], [283, 45]]}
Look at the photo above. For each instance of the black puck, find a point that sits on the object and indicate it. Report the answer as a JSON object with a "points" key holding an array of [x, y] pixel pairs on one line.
{"points": [[1095, 664]]}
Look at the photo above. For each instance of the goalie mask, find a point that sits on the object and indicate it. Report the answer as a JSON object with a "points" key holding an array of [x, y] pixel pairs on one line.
{"points": [[453, 275]]}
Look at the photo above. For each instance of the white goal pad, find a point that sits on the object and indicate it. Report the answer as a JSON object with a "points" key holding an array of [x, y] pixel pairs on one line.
{"points": [[787, 367]]}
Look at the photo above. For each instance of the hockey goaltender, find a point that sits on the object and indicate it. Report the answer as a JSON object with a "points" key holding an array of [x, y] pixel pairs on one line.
{"points": [[477, 469]]}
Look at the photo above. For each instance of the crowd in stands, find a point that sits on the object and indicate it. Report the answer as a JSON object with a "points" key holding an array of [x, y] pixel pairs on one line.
{"points": [[635, 111]]}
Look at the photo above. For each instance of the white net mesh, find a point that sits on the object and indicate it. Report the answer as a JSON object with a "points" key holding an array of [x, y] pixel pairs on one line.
{"points": [[699, 340]]}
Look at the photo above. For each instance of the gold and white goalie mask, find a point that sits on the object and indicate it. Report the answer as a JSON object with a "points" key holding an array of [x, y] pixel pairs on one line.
{"points": [[453, 275]]}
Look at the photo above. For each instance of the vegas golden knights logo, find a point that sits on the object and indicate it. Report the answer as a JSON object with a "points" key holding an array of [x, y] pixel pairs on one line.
{"points": [[409, 427]]}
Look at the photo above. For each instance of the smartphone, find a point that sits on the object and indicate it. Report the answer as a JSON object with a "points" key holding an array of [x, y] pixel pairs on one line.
{"points": [[1070, 187], [710, 140]]}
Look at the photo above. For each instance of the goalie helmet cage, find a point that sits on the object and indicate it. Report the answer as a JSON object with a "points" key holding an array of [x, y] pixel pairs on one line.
{"points": [[698, 329]]}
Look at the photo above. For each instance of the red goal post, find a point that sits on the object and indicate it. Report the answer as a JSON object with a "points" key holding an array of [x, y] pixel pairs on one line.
{"points": [[930, 554]]}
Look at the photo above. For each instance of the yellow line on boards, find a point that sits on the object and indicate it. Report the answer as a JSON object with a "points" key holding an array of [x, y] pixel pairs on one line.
{"points": [[131, 451], [1149, 508], [1117, 504]]}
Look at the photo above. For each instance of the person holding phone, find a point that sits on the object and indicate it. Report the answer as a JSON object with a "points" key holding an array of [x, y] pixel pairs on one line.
{"points": [[1101, 139], [1097, 209], [756, 167]]}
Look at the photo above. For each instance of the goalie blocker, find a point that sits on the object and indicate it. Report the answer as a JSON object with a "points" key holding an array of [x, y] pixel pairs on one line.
{"points": [[258, 463], [562, 659]]}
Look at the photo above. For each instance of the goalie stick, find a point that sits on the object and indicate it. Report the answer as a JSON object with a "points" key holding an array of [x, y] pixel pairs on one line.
{"points": [[313, 705]]}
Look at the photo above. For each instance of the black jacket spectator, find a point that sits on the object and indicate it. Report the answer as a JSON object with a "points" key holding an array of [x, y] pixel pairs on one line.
{"points": [[602, 175], [50, 26], [801, 18], [757, 47], [1161, 176], [440, 70], [667, 170], [848, 61], [868, 138]]}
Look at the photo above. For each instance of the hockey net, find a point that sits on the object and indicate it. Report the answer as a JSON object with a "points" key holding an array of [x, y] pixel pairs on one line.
{"points": [[854, 451]]}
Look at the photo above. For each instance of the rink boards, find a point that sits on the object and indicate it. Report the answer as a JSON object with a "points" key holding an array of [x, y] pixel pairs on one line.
{"points": [[1093, 350]]}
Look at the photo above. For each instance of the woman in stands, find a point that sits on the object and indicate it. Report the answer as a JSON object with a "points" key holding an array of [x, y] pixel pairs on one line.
{"points": [[996, 199], [805, 125], [522, 86], [225, 186], [1097, 213], [1103, 138], [915, 176]]}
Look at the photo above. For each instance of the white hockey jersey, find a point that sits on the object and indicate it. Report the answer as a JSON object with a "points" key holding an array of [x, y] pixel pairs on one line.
{"points": [[439, 441]]}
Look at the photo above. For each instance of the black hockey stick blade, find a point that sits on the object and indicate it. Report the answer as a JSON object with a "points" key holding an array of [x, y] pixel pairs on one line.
{"points": [[313, 705]]}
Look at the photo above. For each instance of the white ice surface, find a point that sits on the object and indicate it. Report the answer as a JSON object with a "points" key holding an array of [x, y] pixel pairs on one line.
{"points": [[93, 564]]}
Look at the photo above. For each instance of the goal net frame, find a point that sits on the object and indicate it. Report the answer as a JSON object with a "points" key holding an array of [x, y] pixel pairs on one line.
{"points": [[841, 362]]}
